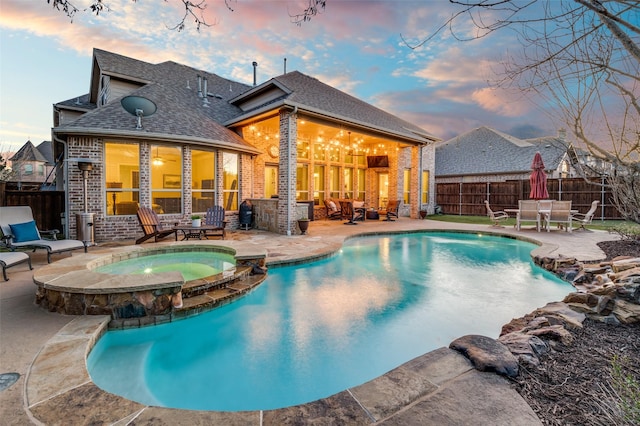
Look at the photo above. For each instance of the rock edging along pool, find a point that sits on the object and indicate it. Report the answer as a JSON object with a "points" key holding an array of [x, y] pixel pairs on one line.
{"points": [[312, 330]]}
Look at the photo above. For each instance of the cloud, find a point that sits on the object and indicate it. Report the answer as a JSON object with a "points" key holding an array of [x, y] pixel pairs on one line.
{"points": [[499, 101]]}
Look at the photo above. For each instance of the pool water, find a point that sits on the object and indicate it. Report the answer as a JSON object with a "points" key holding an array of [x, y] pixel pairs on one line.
{"points": [[193, 265], [310, 331]]}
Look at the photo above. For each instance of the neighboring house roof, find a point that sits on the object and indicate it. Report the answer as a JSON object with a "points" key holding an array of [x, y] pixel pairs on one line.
{"points": [[46, 149], [28, 152], [312, 96], [487, 151]]}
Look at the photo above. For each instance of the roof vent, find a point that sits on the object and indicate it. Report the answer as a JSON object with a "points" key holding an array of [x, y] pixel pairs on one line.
{"points": [[255, 66], [205, 103]]}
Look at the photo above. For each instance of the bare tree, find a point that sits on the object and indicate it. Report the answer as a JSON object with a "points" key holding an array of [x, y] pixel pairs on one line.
{"points": [[583, 57], [192, 11]]}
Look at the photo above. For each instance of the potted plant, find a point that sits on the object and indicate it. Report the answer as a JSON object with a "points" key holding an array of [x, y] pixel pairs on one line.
{"points": [[196, 220], [423, 214], [303, 224]]}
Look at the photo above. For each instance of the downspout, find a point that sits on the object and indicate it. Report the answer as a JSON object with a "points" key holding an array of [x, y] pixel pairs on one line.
{"points": [[289, 192], [420, 182], [64, 184]]}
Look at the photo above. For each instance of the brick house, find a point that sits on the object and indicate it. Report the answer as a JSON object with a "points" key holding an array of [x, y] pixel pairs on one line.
{"points": [[214, 141]]}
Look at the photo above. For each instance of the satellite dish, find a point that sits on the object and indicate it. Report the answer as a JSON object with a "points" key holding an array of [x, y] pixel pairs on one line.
{"points": [[138, 106]]}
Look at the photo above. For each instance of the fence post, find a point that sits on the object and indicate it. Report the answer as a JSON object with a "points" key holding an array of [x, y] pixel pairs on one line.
{"points": [[560, 189]]}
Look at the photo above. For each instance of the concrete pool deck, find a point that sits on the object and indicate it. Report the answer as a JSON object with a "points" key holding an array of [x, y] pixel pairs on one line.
{"points": [[437, 388]]}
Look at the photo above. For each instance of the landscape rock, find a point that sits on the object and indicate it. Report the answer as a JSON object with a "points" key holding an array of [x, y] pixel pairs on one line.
{"points": [[487, 354]]}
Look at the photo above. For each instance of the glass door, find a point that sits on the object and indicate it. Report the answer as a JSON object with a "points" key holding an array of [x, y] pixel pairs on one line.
{"points": [[383, 189], [270, 181]]}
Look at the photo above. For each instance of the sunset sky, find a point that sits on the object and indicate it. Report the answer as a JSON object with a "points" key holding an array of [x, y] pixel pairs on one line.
{"points": [[353, 45]]}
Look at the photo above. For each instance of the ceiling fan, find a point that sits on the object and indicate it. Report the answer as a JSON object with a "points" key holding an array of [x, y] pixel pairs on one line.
{"points": [[158, 160]]}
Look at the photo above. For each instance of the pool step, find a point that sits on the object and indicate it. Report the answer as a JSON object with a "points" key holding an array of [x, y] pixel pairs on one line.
{"points": [[217, 296], [218, 281]]}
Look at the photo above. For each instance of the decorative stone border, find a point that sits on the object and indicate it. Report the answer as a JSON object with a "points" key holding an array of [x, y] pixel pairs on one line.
{"points": [[71, 286]]}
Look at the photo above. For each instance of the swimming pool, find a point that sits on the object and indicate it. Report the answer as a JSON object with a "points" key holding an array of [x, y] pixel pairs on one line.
{"points": [[316, 329]]}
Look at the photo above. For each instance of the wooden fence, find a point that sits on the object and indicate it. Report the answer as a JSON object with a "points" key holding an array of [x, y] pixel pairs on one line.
{"points": [[47, 206], [468, 198]]}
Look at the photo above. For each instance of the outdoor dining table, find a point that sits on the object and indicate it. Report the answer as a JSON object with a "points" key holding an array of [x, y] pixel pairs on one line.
{"points": [[541, 212]]}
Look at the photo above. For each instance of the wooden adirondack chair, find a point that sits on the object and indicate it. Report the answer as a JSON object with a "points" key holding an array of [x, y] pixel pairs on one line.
{"points": [[214, 218], [151, 226]]}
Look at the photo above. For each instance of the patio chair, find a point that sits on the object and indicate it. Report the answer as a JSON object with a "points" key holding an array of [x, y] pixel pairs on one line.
{"points": [[215, 218], [391, 210], [527, 212], [12, 258], [19, 230], [349, 213], [560, 213], [333, 211], [497, 216], [585, 218], [151, 226]]}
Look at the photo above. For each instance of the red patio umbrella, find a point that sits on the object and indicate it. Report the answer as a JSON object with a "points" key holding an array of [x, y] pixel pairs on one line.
{"points": [[538, 179]]}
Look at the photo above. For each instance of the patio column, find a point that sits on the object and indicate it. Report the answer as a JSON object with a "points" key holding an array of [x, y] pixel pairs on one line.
{"points": [[287, 171]]}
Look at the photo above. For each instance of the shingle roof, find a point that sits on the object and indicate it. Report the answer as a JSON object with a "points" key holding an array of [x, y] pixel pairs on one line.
{"points": [[487, 151], [46, 149], [180, 113], [28, 152], [313, 95]]}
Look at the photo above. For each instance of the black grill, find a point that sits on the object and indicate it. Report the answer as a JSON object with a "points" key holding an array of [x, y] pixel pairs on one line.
{"points": [[245, 215]]}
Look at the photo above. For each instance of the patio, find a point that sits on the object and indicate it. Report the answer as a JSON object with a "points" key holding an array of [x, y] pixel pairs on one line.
{"points": [[26, 329]]}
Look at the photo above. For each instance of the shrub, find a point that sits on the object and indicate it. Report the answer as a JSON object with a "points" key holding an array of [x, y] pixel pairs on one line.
{"points": [[627, 232]]}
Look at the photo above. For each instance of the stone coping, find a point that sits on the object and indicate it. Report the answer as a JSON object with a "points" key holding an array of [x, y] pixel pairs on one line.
{"points": [[79, 401], [417, 383], [76, 274]]}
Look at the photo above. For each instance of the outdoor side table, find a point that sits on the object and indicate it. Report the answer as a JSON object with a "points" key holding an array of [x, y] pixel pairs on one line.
{"points": [[191, 232], [372, 215]]}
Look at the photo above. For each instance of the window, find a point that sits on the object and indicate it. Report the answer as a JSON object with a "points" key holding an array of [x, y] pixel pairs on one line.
{"points": [[230, 176], [40, 169], [425, 187], [362, 188], [122, 165], [406, 187], [318, 185], [302, 182], [28, 169], [303, 147], [166, 178], [203, 180], [319, 152], [348, 182], [334, 182]]}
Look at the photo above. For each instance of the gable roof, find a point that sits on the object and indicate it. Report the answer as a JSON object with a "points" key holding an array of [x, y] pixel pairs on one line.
{"points": [[487, 151], [28, 152], [318, 99], [181, 114]]}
